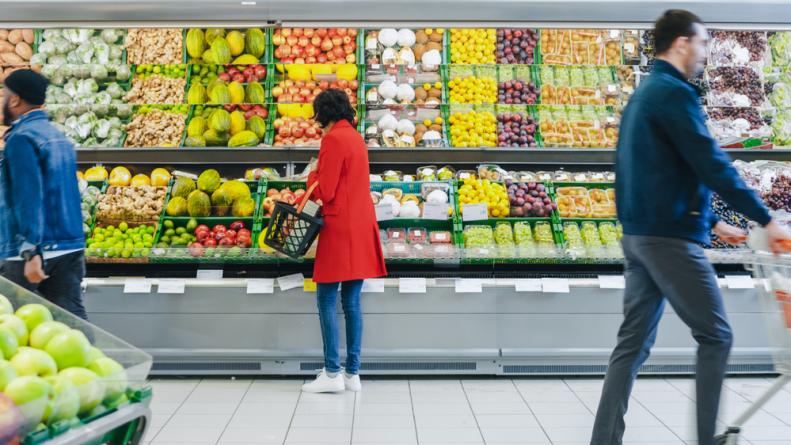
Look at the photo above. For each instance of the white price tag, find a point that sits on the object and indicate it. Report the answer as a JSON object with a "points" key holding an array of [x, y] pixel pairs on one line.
{"points": [[209, 274], [384, 212], [611, 89], [555, 285], [291, 281], [528, 285], [137, 286], [628, 47], [469, 286], [739, 281], [374, 286], [171, 286], [475, 212], [412, 285], [612, 282], [435, 211], [614, 33], [261, 286]]}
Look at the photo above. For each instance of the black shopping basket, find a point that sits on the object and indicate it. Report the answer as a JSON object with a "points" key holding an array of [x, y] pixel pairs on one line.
{"points": [[291, 231]]}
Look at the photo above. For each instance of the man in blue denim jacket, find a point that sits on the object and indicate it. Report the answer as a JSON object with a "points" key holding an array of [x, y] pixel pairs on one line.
{"points": [[41, 236]]}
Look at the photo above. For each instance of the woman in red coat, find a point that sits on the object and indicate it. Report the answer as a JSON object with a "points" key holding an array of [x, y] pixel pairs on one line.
{"points": [[349, 248]]}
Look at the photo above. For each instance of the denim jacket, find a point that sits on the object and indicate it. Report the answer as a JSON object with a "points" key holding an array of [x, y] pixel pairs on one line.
{"points": [[40, 201]]}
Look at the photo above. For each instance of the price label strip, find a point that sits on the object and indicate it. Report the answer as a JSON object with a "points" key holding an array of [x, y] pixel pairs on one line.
{"points": [[469, 286], [171, 286], [137, 286], [288, 282], [555, 285], [260, 286], [374, 286], [412, 285]]}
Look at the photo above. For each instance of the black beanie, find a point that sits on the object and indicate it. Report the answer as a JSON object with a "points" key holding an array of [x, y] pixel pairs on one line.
{"points": [[29, 85]]}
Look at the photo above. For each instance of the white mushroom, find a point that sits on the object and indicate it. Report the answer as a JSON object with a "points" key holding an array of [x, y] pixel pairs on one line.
{"points": [[388, 37], [406, 37]]}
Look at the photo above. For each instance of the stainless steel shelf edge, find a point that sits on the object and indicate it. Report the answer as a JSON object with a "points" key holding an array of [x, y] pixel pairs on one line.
{"points": [[766, 13], [258, 156]]}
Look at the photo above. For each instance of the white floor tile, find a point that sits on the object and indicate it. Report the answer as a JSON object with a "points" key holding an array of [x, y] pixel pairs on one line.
{"points": [[472, 386], [445, 421], [494, 397], [264, 421], [384, 396], [253, 435], [207, 408], [264, 395], [328, 407], [501, 408], [164, 408], [649, 434], [568, 433], [450, 435], [511, 435], [191, 435], [559, 408], [264, 409], [319, 435], [343, 420], [395, 409], [561, 420], [199, 420], [428, 409], [384, 435], [502, 421], [367, 421], [768, 433]]}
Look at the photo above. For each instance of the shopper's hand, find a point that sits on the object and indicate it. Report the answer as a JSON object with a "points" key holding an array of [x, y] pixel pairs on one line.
{"points": [[778, 238], [730, 234], [34, 270]]}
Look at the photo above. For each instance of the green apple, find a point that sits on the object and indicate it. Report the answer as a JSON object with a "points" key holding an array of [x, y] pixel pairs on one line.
{"points": [[7, 373], [70, 349], [9, 344], [33, 315], [113, 375], [6, 308], [30, 361], [17, 325], [31, 395], [43, 333], [89, 385], [94, 354], [64, 400]]}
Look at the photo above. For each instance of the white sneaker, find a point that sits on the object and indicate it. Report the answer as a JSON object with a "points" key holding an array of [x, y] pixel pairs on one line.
{"points": [[324, 383], [352, 383]]}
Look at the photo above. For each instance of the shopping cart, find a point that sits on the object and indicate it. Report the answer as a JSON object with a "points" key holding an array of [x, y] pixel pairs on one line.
{"points": [[774, 291]]}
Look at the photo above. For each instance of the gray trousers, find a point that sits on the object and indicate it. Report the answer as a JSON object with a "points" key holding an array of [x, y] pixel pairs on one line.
{"points": [[659, 269]]}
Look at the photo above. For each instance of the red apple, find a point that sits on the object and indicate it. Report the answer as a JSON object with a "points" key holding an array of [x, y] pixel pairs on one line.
{"points": [[260, 71], [337, 41], [249, 114], [225, 77], [311, 60], [347, 40], [321, 32], [226, 242], [238, 78], [321, 58], [243, 232], [351, 58], [285, 32], [341, 31], [210, 242], [297, 31], [326, 44], [196, 250], [236, 225], [303, 41]]}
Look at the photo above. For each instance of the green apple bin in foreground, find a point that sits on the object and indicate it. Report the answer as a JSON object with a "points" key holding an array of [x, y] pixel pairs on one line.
{"points": [[63, 380]]}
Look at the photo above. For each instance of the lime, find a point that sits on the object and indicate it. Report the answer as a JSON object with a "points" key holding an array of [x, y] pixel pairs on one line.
{"points": [[192, 224], [110, 228], [123, 226], [170, 232], [168, 224], [181, 231], [165, 239]]}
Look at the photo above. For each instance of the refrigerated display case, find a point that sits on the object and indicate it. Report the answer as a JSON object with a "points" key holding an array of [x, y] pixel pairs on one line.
{"points": [[545, 112]]}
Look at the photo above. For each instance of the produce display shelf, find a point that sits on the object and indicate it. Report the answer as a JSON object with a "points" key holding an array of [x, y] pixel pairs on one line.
{"points": [[266, 141], [265, 59]]}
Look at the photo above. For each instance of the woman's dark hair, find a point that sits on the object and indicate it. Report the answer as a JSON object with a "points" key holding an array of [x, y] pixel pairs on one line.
{"points": [[332, 106], [673, 24]]}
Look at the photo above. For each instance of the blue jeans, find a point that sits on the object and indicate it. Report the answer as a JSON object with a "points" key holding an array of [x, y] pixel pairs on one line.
{"points": [[659, 269], [328, 316]]}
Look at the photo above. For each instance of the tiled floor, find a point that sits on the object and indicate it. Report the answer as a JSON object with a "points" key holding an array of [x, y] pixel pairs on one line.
{"points": [[451, 411]]}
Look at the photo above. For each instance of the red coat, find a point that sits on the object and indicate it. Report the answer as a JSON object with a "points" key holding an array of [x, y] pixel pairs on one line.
{"points": [[349, 246]]}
